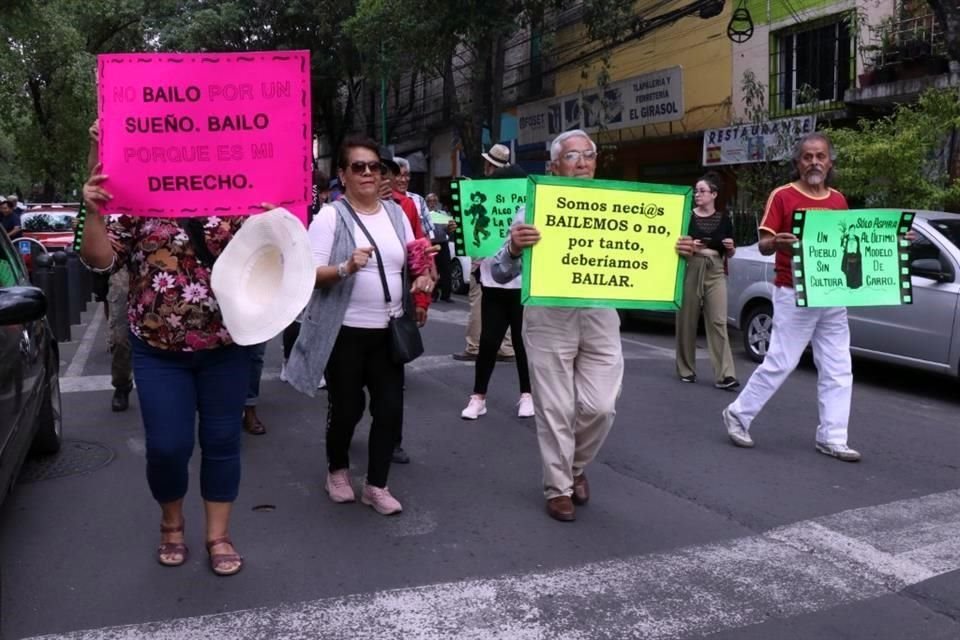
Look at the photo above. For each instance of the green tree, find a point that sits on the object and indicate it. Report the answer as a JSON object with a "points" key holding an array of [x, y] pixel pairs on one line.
{"points": [[47, 68], [901, 160]]}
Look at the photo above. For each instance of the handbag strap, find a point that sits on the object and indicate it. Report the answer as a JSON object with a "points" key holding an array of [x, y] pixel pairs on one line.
{"points": [[376, 249]]}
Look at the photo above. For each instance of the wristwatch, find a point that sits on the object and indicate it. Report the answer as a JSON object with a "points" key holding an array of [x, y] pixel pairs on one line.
{"points": [[342, 270]]}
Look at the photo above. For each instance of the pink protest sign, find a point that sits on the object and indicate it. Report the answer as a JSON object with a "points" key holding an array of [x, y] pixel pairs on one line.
{"points": [[205, 134]]}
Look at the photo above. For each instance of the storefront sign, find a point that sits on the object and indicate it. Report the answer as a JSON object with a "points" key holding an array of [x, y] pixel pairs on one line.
{"points": [[205, 134], [646, 99], [853, 258], [605, 243], [484, 210], [763, 142]]}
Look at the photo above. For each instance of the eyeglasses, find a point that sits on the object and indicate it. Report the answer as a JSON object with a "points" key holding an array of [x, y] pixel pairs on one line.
{"points": [[574, 156], [374, 167]]}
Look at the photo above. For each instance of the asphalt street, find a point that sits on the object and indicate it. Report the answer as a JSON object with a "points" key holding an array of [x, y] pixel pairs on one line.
{"points": [[685, 535]]}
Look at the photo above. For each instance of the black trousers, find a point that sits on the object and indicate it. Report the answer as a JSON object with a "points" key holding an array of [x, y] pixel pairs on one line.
{"points": [[444, 271], [361, 360], [290, 335], [499, 309]]}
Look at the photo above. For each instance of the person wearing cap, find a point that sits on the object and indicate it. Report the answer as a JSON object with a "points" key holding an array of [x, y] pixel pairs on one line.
{"points": [[575, 356], [185, 362], [10, 219], [344, 333], [497, 157]]}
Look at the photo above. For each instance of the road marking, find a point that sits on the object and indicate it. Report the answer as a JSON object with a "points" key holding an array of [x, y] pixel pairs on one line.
{"points": [[86, 344], [805, 567], [88, 383]]}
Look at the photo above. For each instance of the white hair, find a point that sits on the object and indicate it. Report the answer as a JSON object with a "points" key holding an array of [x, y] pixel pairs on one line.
{"points": [[402, 163], [557, 143]]}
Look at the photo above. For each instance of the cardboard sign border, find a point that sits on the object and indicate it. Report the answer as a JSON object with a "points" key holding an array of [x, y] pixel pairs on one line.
{"points": [[299, 56], [903, 263], [611, 185], [456, 192]]}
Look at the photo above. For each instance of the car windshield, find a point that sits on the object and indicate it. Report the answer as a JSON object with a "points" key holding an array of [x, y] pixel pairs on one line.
{"points": [[949, 227], [40, 221]]}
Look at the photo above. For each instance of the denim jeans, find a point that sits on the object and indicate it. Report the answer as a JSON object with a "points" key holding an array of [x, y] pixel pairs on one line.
{"points": [[256, 351], [173, 387]]}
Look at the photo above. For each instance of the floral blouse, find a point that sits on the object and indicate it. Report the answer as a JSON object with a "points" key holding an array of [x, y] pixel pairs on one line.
{"points": [[171, 305]]}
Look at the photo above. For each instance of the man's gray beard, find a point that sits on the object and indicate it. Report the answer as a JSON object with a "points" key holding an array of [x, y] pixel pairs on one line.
{"points": [[814, 179]]}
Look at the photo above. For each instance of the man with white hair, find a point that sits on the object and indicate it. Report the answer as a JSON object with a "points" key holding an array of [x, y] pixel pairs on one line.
{"points": [[575, 357], [401, 183], [794, 327]]}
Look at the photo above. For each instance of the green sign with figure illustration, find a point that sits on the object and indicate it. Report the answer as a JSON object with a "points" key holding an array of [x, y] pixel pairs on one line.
{"points": [[484, 210], [855, 258]]}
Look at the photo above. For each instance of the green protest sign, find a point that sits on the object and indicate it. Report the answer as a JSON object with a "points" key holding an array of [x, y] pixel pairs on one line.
{"points": [[484, 210], [854, 258]]}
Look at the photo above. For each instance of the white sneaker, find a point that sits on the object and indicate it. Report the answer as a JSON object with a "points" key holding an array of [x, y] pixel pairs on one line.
{"points": [[283, 371], [525, 406], [839, 451], [735, 430], [475, 408], [381, 500], [323, 383]]}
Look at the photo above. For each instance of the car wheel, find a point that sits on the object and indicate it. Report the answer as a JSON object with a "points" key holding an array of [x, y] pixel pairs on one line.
{"points": [[50, 431], [757, 326], [457, 284]]}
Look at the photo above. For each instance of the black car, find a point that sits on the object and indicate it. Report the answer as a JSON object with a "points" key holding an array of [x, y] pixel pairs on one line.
{"points": [[30, 418]]}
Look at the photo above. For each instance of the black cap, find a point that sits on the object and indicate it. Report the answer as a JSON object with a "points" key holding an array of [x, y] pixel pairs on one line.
{"points": [[387, 158]]}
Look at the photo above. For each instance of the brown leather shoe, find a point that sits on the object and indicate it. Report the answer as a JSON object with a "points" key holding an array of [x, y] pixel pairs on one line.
{"points": [[581, 489], [561, 508], [251, 423]]}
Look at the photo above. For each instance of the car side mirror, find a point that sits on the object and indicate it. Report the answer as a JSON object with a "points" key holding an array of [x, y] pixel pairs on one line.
{"points": [[21, 304], [930, 268]]}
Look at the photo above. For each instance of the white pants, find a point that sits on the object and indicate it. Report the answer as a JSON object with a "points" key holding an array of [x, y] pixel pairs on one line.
{"points": [[793, 328], [576, 371]]}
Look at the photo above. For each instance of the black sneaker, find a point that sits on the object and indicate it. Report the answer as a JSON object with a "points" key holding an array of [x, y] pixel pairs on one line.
{"points": [[691, 378], [728, 384], [400, 456], [121, 399]]}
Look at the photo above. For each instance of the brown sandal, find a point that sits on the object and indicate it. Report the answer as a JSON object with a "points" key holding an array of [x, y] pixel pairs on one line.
{"points": [[171, 548], [218, 560]]}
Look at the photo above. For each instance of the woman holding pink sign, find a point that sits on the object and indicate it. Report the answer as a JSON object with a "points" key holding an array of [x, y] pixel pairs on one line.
{"points": [[184, 360]]}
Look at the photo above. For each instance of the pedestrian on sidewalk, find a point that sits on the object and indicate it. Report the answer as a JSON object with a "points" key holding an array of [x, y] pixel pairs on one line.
{"points": [[705, 288], [184, 361], [360, 249], [795, 327], [575, 356]]}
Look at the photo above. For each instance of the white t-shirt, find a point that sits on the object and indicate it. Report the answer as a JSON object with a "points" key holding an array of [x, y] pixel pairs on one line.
{"points": [[367, 308]]}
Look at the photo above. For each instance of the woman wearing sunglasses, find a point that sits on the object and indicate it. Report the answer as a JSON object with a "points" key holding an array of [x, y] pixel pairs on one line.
{"points": [[344, 331], [710, 238]]}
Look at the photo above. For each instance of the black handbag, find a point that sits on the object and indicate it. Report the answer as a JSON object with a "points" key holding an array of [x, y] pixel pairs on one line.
{"points": [[406, 344]]}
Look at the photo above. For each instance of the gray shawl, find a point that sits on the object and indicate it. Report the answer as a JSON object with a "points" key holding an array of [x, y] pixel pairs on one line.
{"points": [[323, 317]]}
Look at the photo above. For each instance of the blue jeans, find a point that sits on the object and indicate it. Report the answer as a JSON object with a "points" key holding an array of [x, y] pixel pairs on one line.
{"points": [[256, 351], [173, 387]]}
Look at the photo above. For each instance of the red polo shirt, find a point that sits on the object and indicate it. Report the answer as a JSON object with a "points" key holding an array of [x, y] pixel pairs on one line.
{"points": [[778, 218]]}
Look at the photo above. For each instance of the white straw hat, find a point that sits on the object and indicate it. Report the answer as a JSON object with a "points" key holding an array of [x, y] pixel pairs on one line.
{"points": [[264, 277]]}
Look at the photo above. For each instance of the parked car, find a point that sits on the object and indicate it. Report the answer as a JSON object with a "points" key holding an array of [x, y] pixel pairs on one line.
{"points": [[924, 335], [30, 417], [459, 272], [52, 225]]}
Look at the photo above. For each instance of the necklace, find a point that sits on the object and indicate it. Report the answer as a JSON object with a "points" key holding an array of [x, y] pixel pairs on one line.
{"points": [[361, 210]]}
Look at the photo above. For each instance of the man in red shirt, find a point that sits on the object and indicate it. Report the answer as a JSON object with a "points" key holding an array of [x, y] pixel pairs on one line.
{"points": [[794, 327]]}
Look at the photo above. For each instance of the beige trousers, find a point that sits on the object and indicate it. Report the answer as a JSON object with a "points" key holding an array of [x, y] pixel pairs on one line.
{"points": [[473, 323], [704, 284], [576, 371]]}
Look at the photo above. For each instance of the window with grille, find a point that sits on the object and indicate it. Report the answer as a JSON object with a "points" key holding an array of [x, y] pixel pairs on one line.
{"points": [[811, 66]]}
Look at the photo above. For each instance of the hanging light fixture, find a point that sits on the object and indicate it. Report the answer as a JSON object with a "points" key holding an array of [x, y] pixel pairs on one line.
{"points": [[740, 27]]}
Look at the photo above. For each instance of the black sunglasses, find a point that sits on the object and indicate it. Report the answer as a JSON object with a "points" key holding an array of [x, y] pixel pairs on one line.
{"points": [[374, 167]]}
